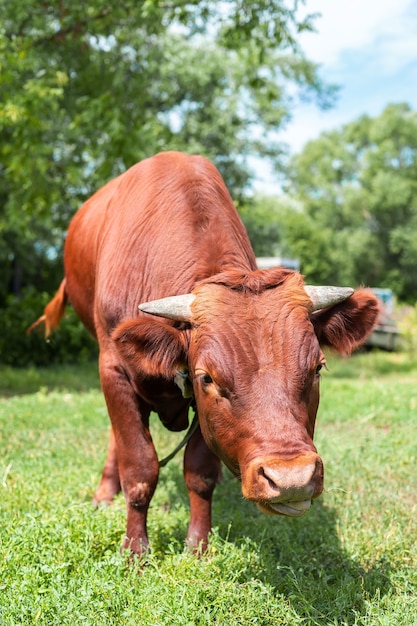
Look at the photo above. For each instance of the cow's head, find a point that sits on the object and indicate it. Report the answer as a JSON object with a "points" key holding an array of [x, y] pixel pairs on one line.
{"points": [[254, 357]]}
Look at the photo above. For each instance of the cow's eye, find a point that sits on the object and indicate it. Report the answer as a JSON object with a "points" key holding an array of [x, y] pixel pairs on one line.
{"points": [[320, 367], [204, 377]]}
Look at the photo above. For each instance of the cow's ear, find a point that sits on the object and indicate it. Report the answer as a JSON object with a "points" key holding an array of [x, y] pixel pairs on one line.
{"points": [[345, 326], [150, 346]]}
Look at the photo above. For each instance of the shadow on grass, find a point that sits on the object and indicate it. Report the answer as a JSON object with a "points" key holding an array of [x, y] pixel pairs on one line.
{"points": [[301, 559], [306, 562]]}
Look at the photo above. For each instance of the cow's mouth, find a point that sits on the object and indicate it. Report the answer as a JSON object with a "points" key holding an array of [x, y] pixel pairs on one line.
{"points": [[290, 509]]}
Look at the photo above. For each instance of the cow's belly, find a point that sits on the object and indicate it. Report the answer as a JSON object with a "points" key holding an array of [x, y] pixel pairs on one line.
{"points": [[81, 296]]}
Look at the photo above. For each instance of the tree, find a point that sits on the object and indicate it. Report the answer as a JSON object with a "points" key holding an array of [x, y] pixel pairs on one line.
{"points": [[358, 190], [89, 88], [262, 216]]}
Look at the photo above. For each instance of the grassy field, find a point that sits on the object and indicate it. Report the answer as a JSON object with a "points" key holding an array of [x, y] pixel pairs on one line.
{"points": [[351, 560]]}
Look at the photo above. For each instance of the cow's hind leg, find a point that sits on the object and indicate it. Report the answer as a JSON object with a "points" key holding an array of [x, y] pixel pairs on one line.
{"points": [[136, 456], [109, 485], [202, 470]]}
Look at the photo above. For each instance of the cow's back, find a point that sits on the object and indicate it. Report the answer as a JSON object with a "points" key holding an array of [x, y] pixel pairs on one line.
{"points": [[166, 223]]}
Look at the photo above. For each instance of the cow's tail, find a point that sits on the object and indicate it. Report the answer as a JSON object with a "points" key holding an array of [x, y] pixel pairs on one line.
{"points": [[53, 311]]}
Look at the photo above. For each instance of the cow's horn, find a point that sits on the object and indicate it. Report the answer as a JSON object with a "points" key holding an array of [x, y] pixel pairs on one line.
{"points": [[323, 297], [174, 308]]}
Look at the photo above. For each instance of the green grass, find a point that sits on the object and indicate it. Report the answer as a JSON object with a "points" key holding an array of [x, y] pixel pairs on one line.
{"points": [[351, 560]]}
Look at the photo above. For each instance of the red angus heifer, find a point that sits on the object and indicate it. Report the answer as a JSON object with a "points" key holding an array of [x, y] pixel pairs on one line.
{"points": [[249, 339]]}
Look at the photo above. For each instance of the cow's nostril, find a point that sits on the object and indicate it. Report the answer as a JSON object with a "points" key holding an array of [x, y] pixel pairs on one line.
{"points": [[283, 480], [287, 480], [271, 483]]}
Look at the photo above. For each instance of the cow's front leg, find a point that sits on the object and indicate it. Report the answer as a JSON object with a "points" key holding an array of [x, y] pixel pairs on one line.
{"points": [[136, 456], [109, 485], [202, 470]]}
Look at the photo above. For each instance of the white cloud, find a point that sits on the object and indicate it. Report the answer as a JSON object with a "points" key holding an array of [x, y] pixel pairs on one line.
{"points": [[370, 50], [346, 25], [367, 47]]}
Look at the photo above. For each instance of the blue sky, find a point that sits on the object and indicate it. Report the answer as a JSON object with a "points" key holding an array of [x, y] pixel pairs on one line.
{"points": [[369, 49]]}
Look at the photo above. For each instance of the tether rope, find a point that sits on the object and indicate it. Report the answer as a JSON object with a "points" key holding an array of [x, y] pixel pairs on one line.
{"points": [[190, 432]]}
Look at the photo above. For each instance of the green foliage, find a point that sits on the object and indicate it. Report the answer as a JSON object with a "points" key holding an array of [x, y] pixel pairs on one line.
{"points": [[350, 561], [69, 343], [358, 190], [262, 217], [90, 88], [408, 327]]}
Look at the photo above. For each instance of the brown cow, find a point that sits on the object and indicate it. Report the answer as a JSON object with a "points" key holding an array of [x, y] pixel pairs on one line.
{"points": [[249, 340]]}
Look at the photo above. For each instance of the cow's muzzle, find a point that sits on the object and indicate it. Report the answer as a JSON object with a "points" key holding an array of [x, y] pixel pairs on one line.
{"points": [[283, 487]]}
